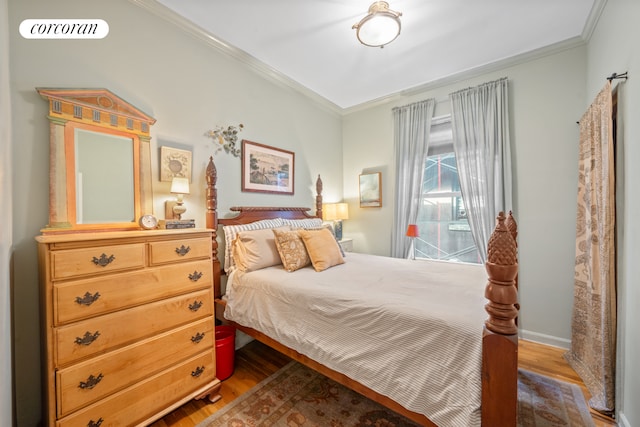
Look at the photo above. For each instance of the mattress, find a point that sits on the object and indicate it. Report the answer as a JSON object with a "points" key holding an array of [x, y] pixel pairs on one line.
{"points": [[410, 330]]}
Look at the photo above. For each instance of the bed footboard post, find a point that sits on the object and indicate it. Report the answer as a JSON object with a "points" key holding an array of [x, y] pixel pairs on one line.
{"points": [[319, 197], [500, 338], [212, 222]]}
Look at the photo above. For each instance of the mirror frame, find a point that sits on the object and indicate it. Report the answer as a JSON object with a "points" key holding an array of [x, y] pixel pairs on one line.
{"points": [[98, 110]]}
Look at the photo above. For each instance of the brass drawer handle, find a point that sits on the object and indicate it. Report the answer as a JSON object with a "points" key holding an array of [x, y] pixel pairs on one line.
{"points": [[88, 338], [197, 337], [195, 276], [195, 306], [98, 423], [199, 370], [88, 299], [91, 382], [182, 251], [104, 260]]}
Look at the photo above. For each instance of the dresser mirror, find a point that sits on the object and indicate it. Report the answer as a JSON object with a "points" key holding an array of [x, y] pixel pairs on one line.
{"points": [[100, 161]]}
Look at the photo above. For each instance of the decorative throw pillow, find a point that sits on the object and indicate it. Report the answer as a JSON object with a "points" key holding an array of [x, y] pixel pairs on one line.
{"points": [[255, 249], [291, 249], [322, 248], [330, 228], [230, 232]]}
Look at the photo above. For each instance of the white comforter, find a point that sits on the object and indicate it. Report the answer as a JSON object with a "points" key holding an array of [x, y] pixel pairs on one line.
{"points": [[410, 330]]}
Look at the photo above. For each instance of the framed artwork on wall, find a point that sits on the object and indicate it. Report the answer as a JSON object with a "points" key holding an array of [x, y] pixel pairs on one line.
{"points": [[267, 169], [371, 190], [174, 163]]}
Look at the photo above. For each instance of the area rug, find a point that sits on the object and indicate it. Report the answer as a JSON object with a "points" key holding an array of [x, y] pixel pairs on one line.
{"points": [[298, 396]]}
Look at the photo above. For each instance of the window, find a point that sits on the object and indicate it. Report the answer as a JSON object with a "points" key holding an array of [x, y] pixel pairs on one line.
{"points": [[442, 219]]}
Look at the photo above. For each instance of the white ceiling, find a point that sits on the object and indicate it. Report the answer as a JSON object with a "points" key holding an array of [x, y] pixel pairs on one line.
{"points": [[312, 41]]}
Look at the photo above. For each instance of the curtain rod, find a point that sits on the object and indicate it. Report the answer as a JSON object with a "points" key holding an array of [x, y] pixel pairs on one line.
{"points": [[615, 76], [618, 76]]}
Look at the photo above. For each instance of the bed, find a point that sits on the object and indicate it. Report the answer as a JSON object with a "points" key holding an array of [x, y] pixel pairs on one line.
{"points": [[445, 359]]}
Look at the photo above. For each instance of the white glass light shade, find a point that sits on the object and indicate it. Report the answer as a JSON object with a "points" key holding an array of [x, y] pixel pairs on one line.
{"points": [[380, 27], [180, 185]]}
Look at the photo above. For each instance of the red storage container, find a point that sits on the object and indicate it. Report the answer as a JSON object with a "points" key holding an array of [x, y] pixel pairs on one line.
{"points": [[225, 351]]}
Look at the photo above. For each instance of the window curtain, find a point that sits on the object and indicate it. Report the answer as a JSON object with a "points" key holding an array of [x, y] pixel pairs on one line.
{"points": [[480, 124], [412, 125], [593, 327], [6, 240]]}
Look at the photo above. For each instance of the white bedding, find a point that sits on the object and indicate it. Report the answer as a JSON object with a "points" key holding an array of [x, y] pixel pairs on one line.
{"points": [[410, 330]]}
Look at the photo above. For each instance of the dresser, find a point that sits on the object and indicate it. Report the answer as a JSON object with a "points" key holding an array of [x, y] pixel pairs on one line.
{"points": [[128, 325]]}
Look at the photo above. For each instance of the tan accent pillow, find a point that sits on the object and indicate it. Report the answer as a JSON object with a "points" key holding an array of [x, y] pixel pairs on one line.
{"points": [[291, 249], [230, 232], [322, 248], [255, 249]]}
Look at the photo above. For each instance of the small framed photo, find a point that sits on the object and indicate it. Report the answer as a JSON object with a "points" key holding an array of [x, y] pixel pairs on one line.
{"points": [[174, 162], [267, 169], [371, 190]]}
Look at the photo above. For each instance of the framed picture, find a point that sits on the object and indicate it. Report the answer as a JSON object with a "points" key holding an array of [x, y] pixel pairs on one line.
{"points": [[174, 162], [267, 169], [371, 190]]}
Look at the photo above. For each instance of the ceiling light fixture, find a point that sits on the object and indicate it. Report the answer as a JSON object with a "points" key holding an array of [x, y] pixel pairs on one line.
{"points": [[381, 26]]}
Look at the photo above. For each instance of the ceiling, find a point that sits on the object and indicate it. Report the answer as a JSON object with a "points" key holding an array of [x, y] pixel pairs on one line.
{"points": [[312, 43]]}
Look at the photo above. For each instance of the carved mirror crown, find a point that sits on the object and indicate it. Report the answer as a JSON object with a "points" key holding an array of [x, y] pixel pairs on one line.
{"points": [[100, 161]]}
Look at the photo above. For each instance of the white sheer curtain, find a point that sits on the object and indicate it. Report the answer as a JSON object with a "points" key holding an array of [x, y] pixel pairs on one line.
{"points": [[411, 127], [480, 122], [6, 408]]}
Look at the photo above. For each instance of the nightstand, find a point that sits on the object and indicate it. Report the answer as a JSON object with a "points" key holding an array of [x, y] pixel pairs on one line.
{"points": [[347, 245]]}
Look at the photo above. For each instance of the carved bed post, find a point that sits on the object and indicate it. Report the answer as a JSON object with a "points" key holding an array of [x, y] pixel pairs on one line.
{"points": [[212, 221], [319, 197], [512, 225], [500, 338]]}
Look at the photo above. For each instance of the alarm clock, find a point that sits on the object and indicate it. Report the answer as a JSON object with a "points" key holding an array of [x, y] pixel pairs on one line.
{"points": [[148, 222]]}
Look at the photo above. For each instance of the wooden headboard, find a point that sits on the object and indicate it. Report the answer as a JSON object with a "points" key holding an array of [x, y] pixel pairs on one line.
{"points": [[246, 214]]}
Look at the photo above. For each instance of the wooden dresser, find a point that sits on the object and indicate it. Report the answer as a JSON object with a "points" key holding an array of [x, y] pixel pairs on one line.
{"points": [[128, 325]]}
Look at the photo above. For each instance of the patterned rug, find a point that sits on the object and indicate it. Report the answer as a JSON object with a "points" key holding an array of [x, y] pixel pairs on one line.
{"points": [[298, 396]]}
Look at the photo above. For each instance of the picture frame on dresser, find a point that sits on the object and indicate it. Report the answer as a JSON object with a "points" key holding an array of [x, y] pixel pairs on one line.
{"points": [[175, 162], [267, 169]]}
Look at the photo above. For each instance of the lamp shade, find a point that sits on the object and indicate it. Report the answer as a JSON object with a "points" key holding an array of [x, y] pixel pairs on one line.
{"points": [[412, 230], [180, 185], [335, 211], [381, 26]]}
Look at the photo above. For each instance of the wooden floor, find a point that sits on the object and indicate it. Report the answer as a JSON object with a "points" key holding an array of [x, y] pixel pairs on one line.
{"points": [[255, 362]]}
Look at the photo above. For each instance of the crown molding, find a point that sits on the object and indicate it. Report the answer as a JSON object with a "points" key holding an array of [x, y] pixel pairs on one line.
{"points": [[592, 19], [262, 69], [471, 73]]}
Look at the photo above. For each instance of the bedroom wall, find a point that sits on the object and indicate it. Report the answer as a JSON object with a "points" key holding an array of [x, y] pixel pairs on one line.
{"points": [[6, 409], [613, 48], [547, 97], [189, 87]]}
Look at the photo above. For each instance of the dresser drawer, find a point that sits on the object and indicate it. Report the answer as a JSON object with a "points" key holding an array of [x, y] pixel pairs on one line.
{"points": [[94, 379], [82, 299], [96, 260], [179, 250], [141, 401], [110, 331]]}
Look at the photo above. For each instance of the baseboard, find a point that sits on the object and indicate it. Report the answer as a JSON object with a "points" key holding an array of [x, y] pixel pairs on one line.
{"points": [[545, 339], [623, 421]]}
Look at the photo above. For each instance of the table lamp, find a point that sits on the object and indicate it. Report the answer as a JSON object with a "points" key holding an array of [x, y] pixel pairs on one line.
{"points": [[412, 231], [336, 212]]}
